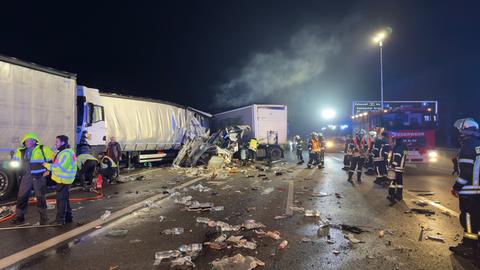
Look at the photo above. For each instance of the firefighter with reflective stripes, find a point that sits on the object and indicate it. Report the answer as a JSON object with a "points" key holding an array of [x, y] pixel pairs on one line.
{"points": [[380, 151], [467, 188], [347, 158], [63, 171], [372, 137], [299, 149], [31, 155], [358, 156], [397, 162], [314, 149]]}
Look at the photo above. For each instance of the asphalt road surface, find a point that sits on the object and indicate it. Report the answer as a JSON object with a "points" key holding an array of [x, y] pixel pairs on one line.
{"points": [[146, 206]]}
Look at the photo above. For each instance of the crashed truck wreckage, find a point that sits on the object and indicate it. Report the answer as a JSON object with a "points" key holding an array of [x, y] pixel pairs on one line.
{"points": [[200, 147]]}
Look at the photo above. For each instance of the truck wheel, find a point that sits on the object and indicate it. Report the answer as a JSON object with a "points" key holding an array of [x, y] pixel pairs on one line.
{"points": [[275, 153], [7, 184]]}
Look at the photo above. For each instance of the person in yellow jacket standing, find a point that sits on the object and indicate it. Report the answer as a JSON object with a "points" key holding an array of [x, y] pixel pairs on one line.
{"points": [[31, 155], [252, 147], [63, 170]]}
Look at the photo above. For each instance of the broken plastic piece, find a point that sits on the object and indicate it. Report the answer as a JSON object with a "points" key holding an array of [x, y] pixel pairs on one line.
{"points": [[174, 231], [297, 209], [352, 239], [106, 215], [201, 188], [166, 255], [237, 262], [182, 261], [436, 238], [281, 217], [267, 191], [273, 234], [320, 194], [252, 224], [283, 244], [203, 220], [191, 248], [312, 213]]}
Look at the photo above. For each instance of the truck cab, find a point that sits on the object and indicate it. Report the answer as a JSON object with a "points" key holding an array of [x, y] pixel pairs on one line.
{"points": [[91, 118]]}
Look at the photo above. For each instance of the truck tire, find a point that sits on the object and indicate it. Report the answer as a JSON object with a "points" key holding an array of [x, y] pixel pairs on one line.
{"points": [[276, 153], [7, 184]]}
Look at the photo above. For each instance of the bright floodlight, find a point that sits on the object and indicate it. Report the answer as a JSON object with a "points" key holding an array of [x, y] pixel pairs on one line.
{"points": [[380, 37], [328, 113]]}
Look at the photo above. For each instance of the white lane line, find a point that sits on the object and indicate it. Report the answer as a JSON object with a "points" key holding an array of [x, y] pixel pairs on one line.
{"points": [[26, 253], [289, 211], [337, 159], [434, 204]]}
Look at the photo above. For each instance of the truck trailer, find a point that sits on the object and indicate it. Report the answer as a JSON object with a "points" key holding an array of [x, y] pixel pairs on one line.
{"points": [[49, 102], [268, 125]]}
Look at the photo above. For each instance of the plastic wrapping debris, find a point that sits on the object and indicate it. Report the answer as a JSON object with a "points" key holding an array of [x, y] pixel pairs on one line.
{"points": [[252, 224], [237, 262], [106, 215], [281, 217], [312, 213], [352, 239], [182, 261], [267, 191], [191, 249], [174, 231], [217, 245], [225, 227], [306, 240], [203, 220], [117, 233], [336, 252], [215, 163], [221, 238], [320, 194], [242, 243], [166, 255], [161, 218], [201, 188], [283, 244], [197, 206], [217, 208], [135, 241]]}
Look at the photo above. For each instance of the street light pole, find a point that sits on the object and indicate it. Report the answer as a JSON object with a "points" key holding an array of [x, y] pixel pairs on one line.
{"points": [[380, 44]]}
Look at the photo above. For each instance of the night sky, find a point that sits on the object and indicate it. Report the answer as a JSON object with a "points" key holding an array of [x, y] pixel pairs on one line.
{"points": [[214, 55]]}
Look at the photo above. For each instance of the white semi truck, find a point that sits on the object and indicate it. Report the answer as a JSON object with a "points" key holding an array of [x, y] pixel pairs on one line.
{"points": [[268, 125], [49, 102]]}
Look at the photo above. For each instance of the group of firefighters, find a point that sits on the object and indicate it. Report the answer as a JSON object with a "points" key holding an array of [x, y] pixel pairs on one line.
{"points": [[316, 150], [374, 152], [39, 162]]}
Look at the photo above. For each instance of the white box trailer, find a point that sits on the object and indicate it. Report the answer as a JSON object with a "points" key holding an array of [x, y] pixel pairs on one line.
{"points": [[32, 99], [268, 123]]}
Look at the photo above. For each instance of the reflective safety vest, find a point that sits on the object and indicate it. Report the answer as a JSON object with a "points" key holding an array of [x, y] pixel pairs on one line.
{"points": [[64, 167], [105, 160], [82, 158], [40, 155], [314, 145], [253, 145]]}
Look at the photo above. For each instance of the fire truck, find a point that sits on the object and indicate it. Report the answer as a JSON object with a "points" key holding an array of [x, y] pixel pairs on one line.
{"points": [[416, 125]]}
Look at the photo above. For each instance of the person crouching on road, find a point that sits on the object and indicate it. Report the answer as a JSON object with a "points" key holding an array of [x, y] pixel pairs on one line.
{"points": [[397, 161], [87, 165], [31, 155], [63, 170], [108, 169]]}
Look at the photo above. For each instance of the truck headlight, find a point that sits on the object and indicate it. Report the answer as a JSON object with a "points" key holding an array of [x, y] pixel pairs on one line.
{"points": [[15, 164], [329, 144], [433, 154]]}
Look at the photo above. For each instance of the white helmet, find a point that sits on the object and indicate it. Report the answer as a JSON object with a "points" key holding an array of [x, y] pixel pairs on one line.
{"points": [[466, 123]]}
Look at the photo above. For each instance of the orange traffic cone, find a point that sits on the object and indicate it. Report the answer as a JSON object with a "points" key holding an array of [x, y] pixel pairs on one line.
{"points": [[99, 183]]}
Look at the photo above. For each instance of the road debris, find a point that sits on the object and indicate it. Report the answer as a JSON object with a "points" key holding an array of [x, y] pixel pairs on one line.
{"points": [[381, 233], [135, 241], [273, 234], [312, 213], [267, 191], [252, 225], [297, 209], [352, 229], [320, 194], [281, 217], [352, 239], [174, 231], [283, 244], [422, 230], [183, 262], [336, 252], [435, 238], [420, 203], [426, 212], [323, 230], [201, 188], [237, 262], [166, 255], [306, 240], [106, 215]]}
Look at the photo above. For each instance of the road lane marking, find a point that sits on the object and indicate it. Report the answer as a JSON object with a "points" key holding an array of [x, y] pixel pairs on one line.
{"points": [[337, 159], [28, 252], [289, 211], [434, 204]]}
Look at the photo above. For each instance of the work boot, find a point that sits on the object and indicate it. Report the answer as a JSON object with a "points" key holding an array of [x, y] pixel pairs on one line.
{"points": [[359, 176], [378, 181], [43, 221], [464, 250], [18, 221], [392, 200], [350, 175]]}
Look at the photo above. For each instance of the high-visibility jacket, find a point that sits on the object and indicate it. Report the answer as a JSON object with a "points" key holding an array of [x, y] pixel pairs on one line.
{"points": [[108, 162], [398, 157], [82, 158], [314, 146], [40, 154], [253, 145], [468, 180], [64, 167]]}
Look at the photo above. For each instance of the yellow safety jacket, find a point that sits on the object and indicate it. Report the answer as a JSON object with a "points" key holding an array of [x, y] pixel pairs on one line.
{"points": [[82, 158], [40, 154], [253, 145], [64, 168]]}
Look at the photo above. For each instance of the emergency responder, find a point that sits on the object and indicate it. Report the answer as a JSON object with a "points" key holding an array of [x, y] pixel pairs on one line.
{"points": [[358, 156], [467, 188], [313, 150], [380, 151], [299, 149], [31, 155], [63, 171], [108, 169], [372, 136], [397, 163], [252, 149], [347, 158], [87, 165], [321, 155]]}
